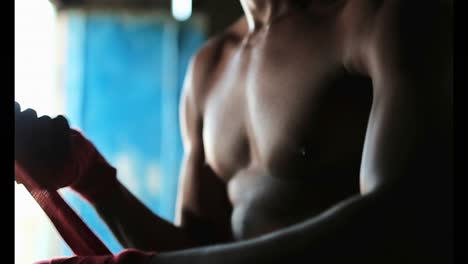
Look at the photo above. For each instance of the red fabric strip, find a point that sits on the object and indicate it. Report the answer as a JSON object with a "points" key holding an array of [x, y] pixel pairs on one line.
{"points": [[71, 227]]}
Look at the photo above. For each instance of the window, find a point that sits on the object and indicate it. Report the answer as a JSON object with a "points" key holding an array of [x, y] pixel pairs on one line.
{"points": [[35, 87]]}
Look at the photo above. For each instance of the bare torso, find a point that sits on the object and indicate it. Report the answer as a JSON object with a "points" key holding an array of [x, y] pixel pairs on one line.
{"points": [[289, 112], [284, 119]]}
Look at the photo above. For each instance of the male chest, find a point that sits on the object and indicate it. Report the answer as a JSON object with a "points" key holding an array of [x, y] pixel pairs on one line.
{"points": [[265, 98]]}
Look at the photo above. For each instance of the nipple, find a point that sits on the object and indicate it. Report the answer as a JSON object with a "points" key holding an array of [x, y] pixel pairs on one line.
{"points": [[303, 151]]}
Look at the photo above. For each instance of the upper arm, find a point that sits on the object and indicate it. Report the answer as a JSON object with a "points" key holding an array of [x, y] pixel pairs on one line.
{"points": [[203, 209], [408, 55]]}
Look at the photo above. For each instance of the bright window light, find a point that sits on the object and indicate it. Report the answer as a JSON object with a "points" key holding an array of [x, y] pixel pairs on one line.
{"points": [[35, 56], [35, 67], [181, 9]]}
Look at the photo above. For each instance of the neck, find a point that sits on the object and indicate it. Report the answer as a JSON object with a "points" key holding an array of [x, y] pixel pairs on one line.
{"points": [[260, 13]]}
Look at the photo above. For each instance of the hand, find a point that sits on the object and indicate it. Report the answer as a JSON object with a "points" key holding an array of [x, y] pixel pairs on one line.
{"points": [[57, 156], [42, 148]]}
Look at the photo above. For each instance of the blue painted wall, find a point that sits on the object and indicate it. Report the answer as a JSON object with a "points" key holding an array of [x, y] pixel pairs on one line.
{"points": [[123, 79]]}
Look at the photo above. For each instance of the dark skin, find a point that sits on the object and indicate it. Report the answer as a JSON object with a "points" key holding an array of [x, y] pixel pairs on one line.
{"points": [[315, 131]]}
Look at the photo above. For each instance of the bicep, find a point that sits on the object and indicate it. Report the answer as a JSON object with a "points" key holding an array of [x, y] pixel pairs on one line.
{"points": [[203, 209], [408, 57]]}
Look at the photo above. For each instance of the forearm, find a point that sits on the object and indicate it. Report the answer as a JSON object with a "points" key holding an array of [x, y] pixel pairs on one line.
{"points": [[136, 226], [343, 232]]}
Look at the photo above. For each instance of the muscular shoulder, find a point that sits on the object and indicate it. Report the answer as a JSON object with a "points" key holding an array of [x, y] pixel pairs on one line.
{"points": [[200, 71], [394, 28], [207, 59], [410, 25]]}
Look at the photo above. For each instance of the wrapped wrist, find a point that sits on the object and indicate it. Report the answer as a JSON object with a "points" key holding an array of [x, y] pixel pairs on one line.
{"points": [[98, 182]]}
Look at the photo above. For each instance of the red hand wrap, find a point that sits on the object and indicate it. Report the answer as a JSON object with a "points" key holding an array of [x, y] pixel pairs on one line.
{"points": [[96, 178], [128, 256]]}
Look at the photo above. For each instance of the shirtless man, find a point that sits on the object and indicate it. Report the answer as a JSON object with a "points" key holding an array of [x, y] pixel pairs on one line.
{"points": [[313, 130]]}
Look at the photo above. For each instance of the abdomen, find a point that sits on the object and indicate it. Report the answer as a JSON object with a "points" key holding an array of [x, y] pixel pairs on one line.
{"points": [[262, 203]]}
